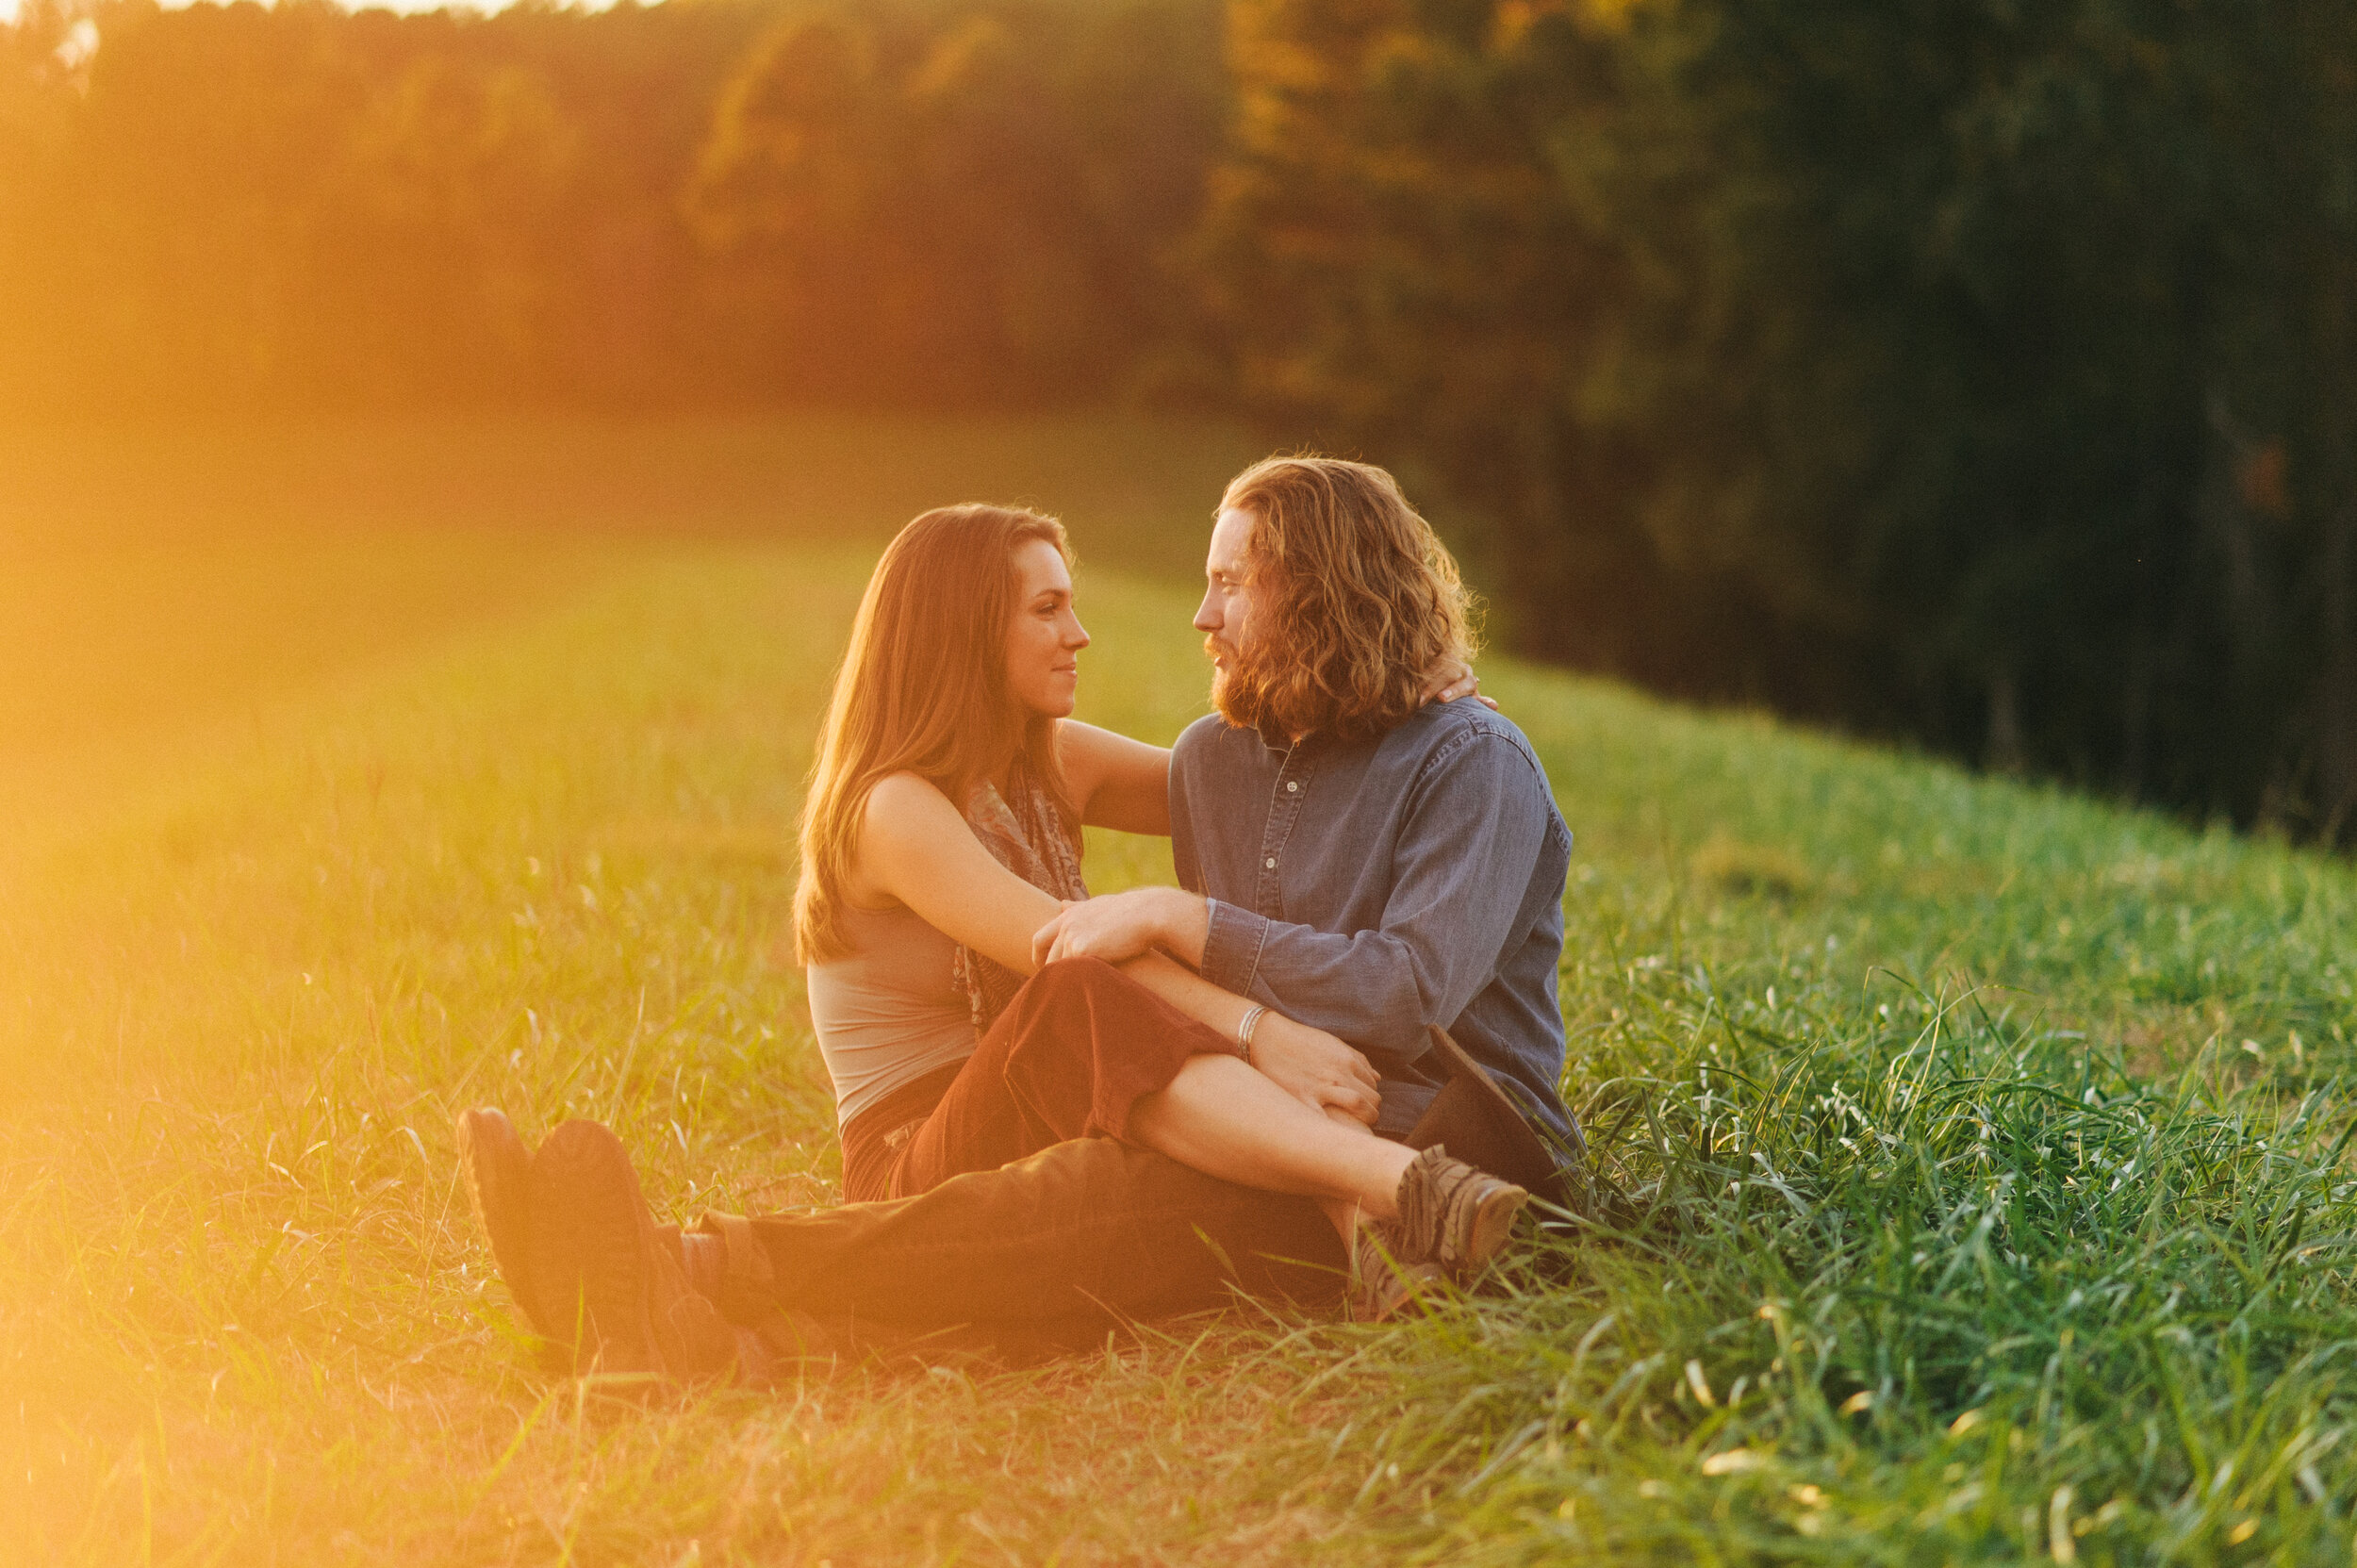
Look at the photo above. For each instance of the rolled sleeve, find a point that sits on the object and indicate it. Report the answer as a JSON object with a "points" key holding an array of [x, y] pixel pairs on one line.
{"points": [[1232, 951]]}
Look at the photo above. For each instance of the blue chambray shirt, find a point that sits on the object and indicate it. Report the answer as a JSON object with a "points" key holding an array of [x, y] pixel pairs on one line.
{"points": [[1373, 887]]}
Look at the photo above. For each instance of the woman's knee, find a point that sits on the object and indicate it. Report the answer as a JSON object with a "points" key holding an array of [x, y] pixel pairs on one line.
{"points": [[1071, 976], [1058, 1011]]}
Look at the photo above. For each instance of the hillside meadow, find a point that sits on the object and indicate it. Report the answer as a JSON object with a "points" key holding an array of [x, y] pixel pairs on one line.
{"points": [[1971, 1159]]}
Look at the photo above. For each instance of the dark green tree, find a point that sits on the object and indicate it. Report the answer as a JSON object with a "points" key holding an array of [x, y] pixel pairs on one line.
{"points": [[1975, 371]]}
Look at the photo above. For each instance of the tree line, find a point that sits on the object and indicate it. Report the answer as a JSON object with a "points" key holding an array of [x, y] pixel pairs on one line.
{"points": [[715, 203], [1967, 371]]}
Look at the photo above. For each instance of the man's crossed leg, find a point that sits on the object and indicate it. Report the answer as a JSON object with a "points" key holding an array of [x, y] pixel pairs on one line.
{"points": [[1047, 1253]]}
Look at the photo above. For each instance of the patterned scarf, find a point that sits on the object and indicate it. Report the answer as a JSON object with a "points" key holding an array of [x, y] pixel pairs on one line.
{"points": [[1028, 836]]}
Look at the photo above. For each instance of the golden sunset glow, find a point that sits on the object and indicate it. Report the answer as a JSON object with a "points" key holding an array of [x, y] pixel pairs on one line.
{"points": [[1896, 467]]}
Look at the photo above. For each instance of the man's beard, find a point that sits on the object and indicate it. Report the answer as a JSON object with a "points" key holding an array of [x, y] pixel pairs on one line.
{"points": [[1237, 692]]}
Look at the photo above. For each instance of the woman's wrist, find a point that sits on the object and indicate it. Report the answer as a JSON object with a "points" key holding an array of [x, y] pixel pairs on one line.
{"points": [[1247, 1029]]}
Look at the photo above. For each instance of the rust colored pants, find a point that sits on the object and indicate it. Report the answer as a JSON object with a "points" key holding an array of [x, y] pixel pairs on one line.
{"points": [[1079, 1046]]}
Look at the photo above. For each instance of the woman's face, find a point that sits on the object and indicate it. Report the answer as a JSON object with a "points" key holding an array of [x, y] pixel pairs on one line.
{"points": [[1046, 637]]}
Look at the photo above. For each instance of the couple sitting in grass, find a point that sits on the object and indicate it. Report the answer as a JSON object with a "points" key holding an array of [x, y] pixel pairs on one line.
{"points": [[1323, 1069]]}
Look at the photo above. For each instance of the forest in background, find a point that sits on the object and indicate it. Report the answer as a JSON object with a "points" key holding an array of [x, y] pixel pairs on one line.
{"points": [[1962, 370]]}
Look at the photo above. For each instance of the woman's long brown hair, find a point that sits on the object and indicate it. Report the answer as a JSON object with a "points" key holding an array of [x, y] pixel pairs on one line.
{"points": [[922, 689]]}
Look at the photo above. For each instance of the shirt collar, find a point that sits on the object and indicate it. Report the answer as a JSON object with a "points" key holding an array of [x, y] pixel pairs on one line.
{"points": [[1281, 746]]}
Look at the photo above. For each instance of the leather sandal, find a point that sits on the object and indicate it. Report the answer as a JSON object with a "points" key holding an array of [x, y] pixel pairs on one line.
{"points": [[1455, 1215], [1452, 1220], [1384, 1285]]}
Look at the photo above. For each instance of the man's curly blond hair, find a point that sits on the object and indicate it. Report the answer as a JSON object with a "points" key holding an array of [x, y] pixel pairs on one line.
{"points": [[1355, 601]]}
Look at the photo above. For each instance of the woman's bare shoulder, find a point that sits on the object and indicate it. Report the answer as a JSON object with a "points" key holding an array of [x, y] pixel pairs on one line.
{"points": [[905, 822], [903, 791], [905, 803]]}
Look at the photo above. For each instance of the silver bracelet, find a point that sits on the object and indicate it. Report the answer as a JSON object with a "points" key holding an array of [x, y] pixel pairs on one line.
{"points": [[1252, 1016]]}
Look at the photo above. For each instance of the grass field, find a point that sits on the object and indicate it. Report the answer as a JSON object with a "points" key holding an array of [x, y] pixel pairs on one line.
{"points": [[1974, 1157]]}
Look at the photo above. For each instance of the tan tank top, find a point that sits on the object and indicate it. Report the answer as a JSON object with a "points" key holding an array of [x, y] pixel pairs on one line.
{"points": [[890, 1010]]}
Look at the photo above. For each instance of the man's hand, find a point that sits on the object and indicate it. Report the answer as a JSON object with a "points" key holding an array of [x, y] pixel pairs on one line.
{"points": [[1317, 1068], [1118, 926]]}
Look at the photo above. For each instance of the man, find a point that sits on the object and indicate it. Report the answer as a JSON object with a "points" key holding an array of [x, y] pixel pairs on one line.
{"points": [[1351, 856]]}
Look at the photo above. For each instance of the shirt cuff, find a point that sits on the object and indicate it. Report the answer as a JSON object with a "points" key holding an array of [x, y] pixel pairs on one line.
{"points": [[1231, 947]]}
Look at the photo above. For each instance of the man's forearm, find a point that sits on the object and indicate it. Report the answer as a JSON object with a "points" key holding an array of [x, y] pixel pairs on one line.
{"points": [[1376, 989], [1182, 924]]}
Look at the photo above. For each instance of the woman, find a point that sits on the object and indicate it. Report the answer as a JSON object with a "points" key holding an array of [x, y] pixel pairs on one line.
{"points": [[941, 832]]}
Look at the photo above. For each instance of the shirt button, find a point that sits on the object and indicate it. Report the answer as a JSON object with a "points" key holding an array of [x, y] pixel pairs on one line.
{"points": [[1270, 863], [1292, 785]]}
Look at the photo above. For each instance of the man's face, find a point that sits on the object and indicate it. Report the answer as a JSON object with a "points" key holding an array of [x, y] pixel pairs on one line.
{"points": [[1226, 617]]}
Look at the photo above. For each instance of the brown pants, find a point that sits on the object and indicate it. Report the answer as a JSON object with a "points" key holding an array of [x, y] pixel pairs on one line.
{"points": [[1020, 1216], [1050, 1252], [1075, 1050]]}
